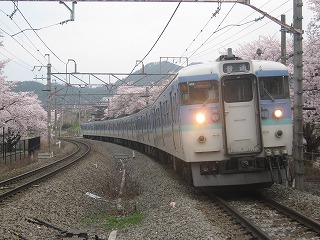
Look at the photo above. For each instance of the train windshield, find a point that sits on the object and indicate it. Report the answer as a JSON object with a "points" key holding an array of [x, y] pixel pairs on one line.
{"points": [[200, 92], [274, 87], [237, 90]]}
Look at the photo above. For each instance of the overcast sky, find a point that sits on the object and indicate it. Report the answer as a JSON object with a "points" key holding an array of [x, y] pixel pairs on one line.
{"points": [[109, 37]]}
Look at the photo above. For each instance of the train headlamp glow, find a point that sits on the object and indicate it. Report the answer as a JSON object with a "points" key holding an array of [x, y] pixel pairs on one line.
{"points": [[278, 113], [200, 118]]}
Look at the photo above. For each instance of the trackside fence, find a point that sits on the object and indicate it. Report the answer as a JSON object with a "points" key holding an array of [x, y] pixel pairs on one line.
{"points": [[312, 158], [23, 149]]}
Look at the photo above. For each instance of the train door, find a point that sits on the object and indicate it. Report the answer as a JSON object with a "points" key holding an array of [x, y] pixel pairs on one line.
{"points": [[153, 126], [162, 121], [173, 115], [156, 129], [241, 115]]}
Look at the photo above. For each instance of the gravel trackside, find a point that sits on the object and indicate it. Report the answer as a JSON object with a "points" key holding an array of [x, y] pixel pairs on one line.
{"points": [[171, 208]]}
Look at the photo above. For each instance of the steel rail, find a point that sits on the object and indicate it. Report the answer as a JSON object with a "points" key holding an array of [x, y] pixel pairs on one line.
{"points": [[33, 172], [42, 178], [309, 222], [255, 230]]}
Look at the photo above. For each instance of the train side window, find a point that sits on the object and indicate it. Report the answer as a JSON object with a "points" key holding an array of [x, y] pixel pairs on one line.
{"points": [[276, 87]]}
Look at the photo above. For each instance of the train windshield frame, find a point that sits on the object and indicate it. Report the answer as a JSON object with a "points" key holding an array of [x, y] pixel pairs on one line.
{"points": [[274, 87], [199, 92]]}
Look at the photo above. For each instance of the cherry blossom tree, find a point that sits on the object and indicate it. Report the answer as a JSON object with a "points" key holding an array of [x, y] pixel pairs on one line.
{"points": [[21, 114], [270, 49], [130, 98], [311, 65]]}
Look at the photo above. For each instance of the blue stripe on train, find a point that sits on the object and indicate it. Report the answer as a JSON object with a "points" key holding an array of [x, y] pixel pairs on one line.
{"points": [[267, 73]]}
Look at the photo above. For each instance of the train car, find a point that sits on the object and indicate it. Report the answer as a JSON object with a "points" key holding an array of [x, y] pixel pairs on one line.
{"points": [[226, 123]]}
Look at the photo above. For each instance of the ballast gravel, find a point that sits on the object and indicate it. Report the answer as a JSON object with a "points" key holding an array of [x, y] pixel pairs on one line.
{"points": [[172, 209]]}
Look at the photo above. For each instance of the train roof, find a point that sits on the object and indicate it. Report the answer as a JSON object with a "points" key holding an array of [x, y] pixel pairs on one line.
{"points": [[213, 69]]}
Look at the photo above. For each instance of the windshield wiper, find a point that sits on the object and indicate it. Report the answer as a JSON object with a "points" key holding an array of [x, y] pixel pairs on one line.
{"points": [[269, 94]]}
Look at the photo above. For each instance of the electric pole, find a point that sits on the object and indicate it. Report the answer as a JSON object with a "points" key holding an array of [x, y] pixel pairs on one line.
{"points": [[283, 41], [49, 106], [55, 114], [298, 103]]}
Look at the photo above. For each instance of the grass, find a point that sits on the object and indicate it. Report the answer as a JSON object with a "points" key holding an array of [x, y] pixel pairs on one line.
{"points": [[113, 222]]}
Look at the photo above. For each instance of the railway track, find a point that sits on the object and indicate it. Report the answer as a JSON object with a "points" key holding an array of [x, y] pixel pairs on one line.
{"points": [[265, 218], [12, 186]]}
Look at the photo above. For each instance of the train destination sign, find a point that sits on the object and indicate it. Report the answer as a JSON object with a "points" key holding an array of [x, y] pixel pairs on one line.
{"points": [[236, 67]]}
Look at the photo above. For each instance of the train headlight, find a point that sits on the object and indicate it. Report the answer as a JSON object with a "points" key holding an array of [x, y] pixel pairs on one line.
{"points": [[200, 118], [278, 113]]}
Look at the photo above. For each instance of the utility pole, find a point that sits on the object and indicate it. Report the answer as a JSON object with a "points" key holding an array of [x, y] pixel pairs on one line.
{"points": [[283, 41], [49, 106], [79, 113], [298, 103], [55, 114]]}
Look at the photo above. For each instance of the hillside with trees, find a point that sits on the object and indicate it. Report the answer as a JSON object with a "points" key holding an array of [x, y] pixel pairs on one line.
{"points": [[70, 94]]}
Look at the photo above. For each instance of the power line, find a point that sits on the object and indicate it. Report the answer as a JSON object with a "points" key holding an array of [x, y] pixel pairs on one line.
{"points": [[37, 33], [227, 26], [21, 45], [34, 29], [213, 15], [16, 61], [234, 40], [229, 29], [162, 31], [12, 35], [213, 31], [158, 37], [241, 31]]}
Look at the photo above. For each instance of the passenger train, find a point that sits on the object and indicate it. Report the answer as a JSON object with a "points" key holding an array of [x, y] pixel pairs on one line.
{"points": [[226, 123]]}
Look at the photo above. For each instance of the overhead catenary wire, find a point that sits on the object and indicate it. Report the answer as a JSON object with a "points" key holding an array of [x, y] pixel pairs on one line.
{"points": [[203, 28], [157, 38], [37, 34], [195, 53], [217, 11], [2, 30], [227, 26], [214, 30], [34, 29], [12, 35], [214, 14], [22, 31], [16, 61], [152, 47], [239, 31], [206, 52]]}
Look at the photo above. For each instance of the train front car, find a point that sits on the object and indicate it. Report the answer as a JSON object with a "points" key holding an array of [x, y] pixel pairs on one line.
{"points": [[236, 122]]}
